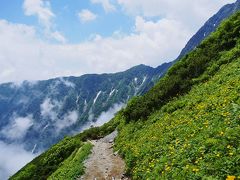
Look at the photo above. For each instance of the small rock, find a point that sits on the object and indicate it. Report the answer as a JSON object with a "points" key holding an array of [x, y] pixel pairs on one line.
{"points": [[111, 141]]}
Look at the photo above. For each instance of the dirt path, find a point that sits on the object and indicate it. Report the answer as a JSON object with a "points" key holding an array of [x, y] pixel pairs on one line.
{"points": [[103, 163]]}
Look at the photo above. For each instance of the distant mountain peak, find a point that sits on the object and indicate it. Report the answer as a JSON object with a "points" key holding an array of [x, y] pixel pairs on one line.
{"points": [[209, 27]]}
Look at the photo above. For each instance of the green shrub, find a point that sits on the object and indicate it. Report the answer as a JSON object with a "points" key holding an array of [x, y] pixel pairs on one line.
{"points": [[73, 166]]}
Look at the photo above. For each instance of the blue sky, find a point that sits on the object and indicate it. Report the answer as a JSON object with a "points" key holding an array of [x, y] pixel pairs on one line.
{"points": [[66, 19], [42, 39]]}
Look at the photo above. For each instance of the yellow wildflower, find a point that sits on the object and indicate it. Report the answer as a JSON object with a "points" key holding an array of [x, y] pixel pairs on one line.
{"points": [[195, 170], [167, 168], [231, 177]]}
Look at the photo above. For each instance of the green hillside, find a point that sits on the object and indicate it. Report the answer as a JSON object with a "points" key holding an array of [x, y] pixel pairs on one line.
{"points": [[55, 158], [193, 136], [186, 127], [65, 159]]}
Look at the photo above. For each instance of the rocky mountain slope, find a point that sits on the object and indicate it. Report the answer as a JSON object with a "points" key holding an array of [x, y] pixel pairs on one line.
{"points": [[38, 114]]}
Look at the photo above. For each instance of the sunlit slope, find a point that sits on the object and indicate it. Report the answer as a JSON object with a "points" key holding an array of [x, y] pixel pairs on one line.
{"points": [[65, 159], [193, 132], [196, 135]]}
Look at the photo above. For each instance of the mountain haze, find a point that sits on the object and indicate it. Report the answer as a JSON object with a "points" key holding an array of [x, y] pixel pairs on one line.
{"points": [[43, 112]]}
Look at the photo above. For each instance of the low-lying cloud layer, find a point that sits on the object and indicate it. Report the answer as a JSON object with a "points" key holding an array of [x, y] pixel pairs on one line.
{"points": [[104, 117], [17, 128], [69, 119], [12, 158], [108, 115], [50, 109]]}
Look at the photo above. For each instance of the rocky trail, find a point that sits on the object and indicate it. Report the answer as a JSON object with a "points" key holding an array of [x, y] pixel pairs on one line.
{"points": [[103, 163]]}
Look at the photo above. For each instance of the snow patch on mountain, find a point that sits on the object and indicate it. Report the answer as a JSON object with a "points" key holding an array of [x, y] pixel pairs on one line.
{"points": [[95, 99], [111, 93]]}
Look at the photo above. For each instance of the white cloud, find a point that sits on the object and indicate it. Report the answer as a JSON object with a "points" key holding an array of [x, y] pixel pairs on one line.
{"points": [[67, 83], [69, 119], [12, 158], [58, 36], [30, 58], [24, 56], [191, 13], [106, 4], [18, 127], [42, 9], [51, 109], [48, 109], [103, 118], [85, 16], [108, 115]]}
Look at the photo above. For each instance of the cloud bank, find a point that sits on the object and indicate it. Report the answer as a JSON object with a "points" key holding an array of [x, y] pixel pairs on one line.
{"points": [[17, 128], [12, 158], [103, 118], [23, 55], [50, 109], [108, 115], [34, 59]]}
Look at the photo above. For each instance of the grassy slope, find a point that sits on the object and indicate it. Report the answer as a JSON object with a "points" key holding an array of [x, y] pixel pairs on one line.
{"points": [[65, 159], [188, 125], [194, 136], [73, 167], [45, 164]]}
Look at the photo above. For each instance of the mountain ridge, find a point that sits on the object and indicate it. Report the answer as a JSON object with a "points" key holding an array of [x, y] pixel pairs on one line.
{"points": [[209, 27], [68, 103]]}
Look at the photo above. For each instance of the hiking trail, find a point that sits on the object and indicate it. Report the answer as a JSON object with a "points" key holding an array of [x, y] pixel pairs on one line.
{"points": [[103, 163]]}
